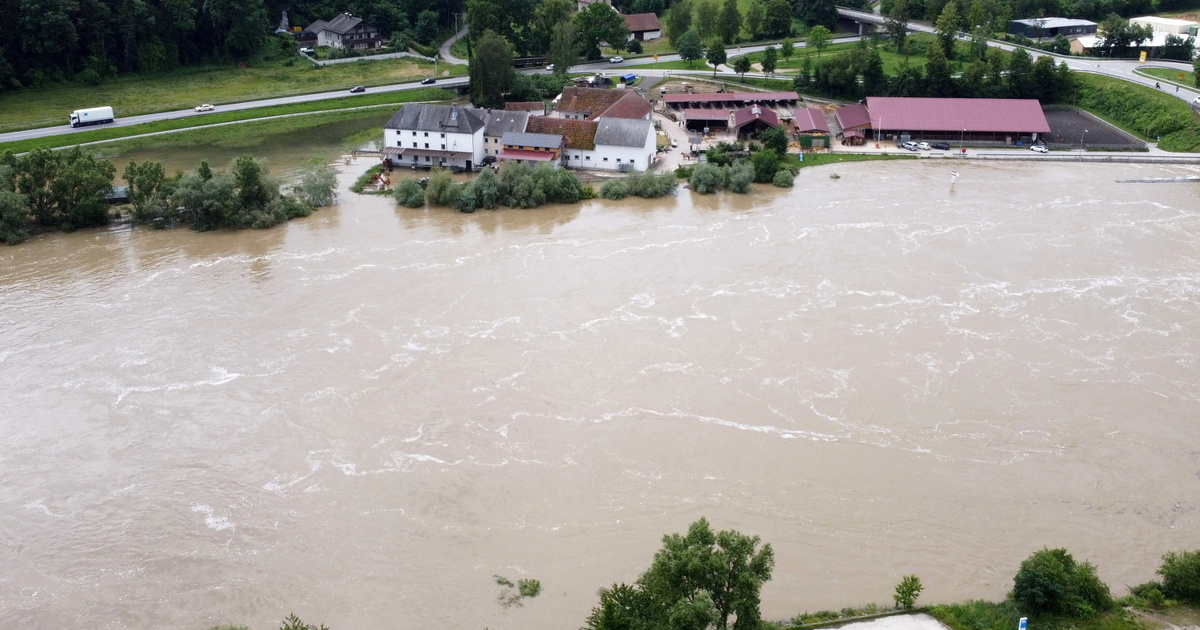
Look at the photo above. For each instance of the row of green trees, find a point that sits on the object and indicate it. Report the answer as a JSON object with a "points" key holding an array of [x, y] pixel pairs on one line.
{"points": [[68, 190], [49, 41], [729, 166], [860, 72], [517, 186]]}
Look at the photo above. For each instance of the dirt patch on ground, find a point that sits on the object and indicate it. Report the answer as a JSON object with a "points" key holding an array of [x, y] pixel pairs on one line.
{"points": [[1067, 129]]}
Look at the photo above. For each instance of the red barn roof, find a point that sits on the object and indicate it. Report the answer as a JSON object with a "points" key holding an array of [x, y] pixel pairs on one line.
{"points": [[641, 22], [852, 116], [1005, 115], [810, 120], [747, 115]]}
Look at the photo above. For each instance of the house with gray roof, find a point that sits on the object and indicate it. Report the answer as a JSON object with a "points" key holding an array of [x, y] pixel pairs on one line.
{"points": [[624, 144], [344, 31], [532, 148], [423, 135], [498, 122]]}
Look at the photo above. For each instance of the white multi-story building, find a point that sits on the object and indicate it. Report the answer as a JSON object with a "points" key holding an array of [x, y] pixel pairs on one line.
{"points": [[421, 135], [624, 144]]}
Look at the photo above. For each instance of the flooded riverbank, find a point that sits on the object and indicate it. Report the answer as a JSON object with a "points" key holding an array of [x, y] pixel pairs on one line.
{"points": [[362, 416]]}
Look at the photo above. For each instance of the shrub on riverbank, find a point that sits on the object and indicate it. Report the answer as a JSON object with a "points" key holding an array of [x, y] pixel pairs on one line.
{"points": [[1051, 582], [517, 186], [1142, 111], [409, 193], [1181, 576], [645, 184]]}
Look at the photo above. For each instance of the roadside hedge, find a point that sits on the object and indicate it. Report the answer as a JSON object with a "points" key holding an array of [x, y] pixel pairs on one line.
{"points": [[1143, 111]]}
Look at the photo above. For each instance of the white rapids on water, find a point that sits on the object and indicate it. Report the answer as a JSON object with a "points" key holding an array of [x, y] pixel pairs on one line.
{"points": [[363, 416]]}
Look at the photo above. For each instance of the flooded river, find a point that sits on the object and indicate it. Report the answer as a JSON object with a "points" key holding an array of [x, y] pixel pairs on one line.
{"points": [[363, 416]]}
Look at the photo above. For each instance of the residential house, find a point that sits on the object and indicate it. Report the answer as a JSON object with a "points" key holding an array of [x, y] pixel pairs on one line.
{"points": [[344, 31], [643, 26], [579, 138], [498, 122], [624, 144], [583, 103], [533, 148], [422, 135]]}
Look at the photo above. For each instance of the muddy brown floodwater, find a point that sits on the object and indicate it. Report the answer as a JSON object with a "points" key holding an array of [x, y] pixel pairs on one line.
{"points": [[363, 416]]}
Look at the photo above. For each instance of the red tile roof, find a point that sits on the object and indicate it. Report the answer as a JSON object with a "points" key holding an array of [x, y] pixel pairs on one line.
{"points": [[631, 105], [747, 115], [852, 116], [597, 102], [580, 134], [642, 22], [526, 106], [811, 119], [1002, 115]]}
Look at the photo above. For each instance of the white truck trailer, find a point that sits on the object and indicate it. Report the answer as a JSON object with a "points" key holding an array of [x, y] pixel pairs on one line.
{"points": [[91, 116]]}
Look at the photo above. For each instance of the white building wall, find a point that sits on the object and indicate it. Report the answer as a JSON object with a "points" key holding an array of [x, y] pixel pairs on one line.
{"points": [[405, 138]]}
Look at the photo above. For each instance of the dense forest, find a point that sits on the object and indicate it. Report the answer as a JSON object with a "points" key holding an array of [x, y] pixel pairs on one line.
{"points": [[49, 41]]}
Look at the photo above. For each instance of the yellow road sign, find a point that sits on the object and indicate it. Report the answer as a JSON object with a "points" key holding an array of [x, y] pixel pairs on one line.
{"points": [[1142, 58]]}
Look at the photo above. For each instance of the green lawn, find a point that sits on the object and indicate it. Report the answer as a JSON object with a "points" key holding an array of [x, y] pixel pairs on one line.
{"points": [[1188, 78], [891, 60], [385, 100], [1140, 110], [187, 87]]}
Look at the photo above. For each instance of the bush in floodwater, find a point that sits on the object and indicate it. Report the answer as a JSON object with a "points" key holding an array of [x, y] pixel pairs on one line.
{"points": [[317, 186], [740, 176], [707, 178], [614, 189], [521, 186], [784, 178], [529, 588], [292, 622], [464, 199], [648, 185], [409, 193], [438, 190], [766, 164], [487, 192]]}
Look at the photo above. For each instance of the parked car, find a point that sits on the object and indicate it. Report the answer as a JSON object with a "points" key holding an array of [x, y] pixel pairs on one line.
{"points": [[358, 89], [549, 67], [924, 146], [488, 159], [1039, 148], [205, 108], [911, 146], [616, 60], [307, 51], [941, 146], [428, 81]]}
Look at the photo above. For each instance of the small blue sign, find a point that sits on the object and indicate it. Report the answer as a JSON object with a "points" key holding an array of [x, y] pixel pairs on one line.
{"points": [[1023, 624]]}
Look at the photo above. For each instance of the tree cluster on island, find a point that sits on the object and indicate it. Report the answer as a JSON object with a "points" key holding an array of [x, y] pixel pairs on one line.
{"points": [[68, 190]]}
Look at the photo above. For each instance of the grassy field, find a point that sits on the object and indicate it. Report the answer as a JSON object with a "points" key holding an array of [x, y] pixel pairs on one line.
{"points": [[184, 88], [372, 101], [1189, 78], [1142, 111], [891, 60]]}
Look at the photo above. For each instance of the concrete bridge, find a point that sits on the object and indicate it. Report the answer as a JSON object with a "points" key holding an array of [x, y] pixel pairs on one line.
{"points": [[875, 20]]}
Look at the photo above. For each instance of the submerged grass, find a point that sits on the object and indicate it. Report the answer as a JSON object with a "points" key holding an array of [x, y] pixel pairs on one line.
{"points": [[371, 102]]}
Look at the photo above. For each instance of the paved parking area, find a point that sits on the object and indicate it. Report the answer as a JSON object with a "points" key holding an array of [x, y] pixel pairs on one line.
{"points": [[1066, 128], [919, 621]]}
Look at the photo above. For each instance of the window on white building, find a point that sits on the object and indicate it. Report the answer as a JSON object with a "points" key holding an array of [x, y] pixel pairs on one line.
{"points": [[605, 159], [414, 145]]}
